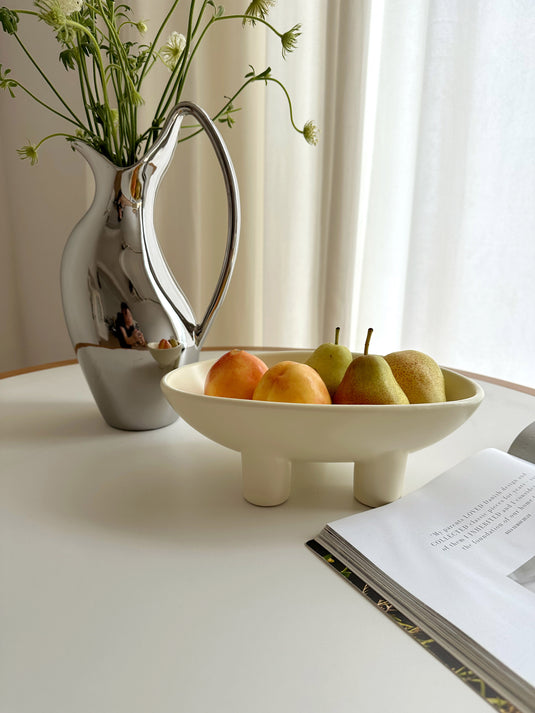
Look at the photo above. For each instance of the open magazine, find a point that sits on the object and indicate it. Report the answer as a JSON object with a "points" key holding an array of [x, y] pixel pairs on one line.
{"points": [[453, 564]]}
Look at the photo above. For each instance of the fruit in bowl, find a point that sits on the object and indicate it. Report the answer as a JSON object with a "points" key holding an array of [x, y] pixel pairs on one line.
{"points": [[331, 360], [235, 375], [292, 382], [377, 438], [419, 376]]}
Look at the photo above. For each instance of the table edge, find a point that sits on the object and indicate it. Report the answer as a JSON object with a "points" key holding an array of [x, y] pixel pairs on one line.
{"points": [[470, 374]]}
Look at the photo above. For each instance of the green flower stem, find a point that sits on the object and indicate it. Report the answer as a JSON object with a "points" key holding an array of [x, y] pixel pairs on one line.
{"points": [[85, 89], [109, 133], [223, 108], [180, 76], [211, 23], [27, 12], [31, 150], [160, 112], [177, 93], [125, 128], [155, 41], [290, 107], [74, 119], [169, 88], [250, 19], [129, 88], [110, 69], [47, 106], [199, 17], [124, 73], [185, 70], [102, 73], [51, 136], [176, 79]]}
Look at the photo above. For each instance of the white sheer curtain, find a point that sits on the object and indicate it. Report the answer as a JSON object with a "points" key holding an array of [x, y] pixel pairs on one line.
{"points": [[449, 247], [413, 215], [299, 209]]}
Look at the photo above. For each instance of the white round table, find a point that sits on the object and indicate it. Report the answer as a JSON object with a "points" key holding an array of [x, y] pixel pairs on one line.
{"points": [[136, 579]]}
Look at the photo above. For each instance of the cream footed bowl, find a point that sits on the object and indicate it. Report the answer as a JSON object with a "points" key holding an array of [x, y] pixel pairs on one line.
{"points": [[270, 435]]}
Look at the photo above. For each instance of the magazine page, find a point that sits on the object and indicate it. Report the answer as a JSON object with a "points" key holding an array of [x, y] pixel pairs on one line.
{"points": [[464, 545]]}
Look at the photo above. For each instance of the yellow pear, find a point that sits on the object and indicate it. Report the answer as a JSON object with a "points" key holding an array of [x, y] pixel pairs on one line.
{"points": [[331, 361], [369, 380], [419, 376]]}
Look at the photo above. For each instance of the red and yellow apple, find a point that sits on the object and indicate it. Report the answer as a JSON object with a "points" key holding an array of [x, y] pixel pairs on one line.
{"points": [[235, 375], [292, 382]]}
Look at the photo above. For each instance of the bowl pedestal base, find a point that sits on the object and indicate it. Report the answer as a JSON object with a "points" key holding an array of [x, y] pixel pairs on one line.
{"points": [[379, 480], [267, 479]]}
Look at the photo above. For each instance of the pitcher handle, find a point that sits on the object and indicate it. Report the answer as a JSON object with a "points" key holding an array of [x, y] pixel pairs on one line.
{"points": [[167, 141]]}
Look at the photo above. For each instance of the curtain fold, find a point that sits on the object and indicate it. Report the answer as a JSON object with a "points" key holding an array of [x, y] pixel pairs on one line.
{"points": [[311, 251], [469, 270]]}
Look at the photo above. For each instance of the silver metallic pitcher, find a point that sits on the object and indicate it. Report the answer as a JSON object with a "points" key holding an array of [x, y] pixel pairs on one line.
{"points": [[118, 293]]}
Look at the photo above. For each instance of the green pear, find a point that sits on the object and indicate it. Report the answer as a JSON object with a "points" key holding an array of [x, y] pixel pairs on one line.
{"points": [[419, 376], [369, 380], [331, 361]]}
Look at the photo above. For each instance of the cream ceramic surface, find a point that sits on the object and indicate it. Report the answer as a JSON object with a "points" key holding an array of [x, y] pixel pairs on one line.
{"points": [[270, 436], [166, 358]]}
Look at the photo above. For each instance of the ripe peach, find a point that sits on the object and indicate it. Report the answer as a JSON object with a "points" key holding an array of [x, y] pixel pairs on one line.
{"points": [[293, 382], [234, 375], [164, 344]]}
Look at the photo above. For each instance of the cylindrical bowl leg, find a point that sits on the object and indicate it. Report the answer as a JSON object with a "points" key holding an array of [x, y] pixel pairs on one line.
{"points": [[379, 480], [266, 479]]}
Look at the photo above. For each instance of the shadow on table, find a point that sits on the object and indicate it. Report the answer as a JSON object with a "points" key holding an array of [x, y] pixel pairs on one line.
{"points": [[149, 487], [50, 421]]}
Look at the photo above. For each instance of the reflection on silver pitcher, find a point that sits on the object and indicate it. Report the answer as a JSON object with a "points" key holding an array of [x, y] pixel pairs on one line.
{"points": [[117, 290]]}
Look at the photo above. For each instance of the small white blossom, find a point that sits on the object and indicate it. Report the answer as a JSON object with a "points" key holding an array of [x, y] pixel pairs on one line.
{"points": [[172, 50], [94, 28], [311, 133], [289, 39], [30, 152], [258, 8], [56, 12], [70, 6]]}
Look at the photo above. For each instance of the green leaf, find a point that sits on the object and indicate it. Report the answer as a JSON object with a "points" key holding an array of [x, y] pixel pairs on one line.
{"points": [[6, 82], [9, 20], [266, 73], [67, 58]]}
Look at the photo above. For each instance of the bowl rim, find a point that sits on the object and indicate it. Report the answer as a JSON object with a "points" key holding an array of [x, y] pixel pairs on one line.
{"points": [[476, 398]]}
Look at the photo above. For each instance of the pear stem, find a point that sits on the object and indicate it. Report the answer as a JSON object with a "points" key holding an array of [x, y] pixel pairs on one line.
{"points": [[368, 337], [336, 335]]}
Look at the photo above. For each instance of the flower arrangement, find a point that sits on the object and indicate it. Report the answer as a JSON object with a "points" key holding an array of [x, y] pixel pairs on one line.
{"points": [[112, 69]]}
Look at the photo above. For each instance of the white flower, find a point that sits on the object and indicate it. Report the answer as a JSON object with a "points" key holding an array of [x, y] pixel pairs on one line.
{"points": [[258, 8], [29, 151], [56, 12], [311, 133], [289, 39], [172, 50], [70, 6]]}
